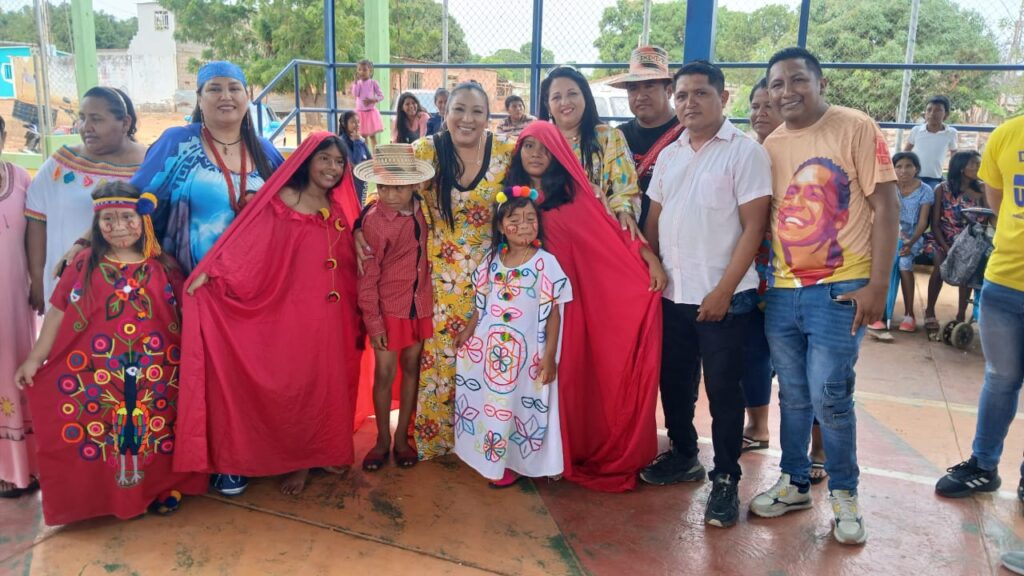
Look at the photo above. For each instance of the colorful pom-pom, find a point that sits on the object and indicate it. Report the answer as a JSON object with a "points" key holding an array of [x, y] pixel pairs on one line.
{"points": [[501, 198], [533, 194], [147, 204]]}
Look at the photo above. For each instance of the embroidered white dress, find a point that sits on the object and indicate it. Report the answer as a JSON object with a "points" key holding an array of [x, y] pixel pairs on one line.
{"points": [[504, 416]]}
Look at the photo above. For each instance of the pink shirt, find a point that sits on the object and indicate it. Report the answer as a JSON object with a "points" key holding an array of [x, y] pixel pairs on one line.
{"points": [[419, 127], [366, 89]]}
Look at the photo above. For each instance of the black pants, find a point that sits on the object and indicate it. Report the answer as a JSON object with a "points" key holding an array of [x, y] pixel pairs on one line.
{"points": [[718, 346]]}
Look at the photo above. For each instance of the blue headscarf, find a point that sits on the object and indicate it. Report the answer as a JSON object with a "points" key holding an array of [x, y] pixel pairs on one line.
{"points": [[220, 69]]}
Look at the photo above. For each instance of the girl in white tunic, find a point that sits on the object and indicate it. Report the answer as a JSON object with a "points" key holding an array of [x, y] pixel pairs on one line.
{"points": [[506, 397]]}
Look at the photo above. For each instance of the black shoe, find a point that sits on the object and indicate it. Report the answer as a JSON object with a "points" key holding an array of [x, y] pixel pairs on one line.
{"points": [[723, 504], [1020, 490], [671, 467], [966, 478]]}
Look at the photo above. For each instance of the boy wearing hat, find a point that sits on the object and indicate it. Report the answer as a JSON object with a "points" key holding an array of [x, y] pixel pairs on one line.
{"points": [[648, 85], [395, 291]]}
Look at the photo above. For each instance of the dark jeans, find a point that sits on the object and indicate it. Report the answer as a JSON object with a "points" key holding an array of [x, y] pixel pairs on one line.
{"points": [[718, 347]]}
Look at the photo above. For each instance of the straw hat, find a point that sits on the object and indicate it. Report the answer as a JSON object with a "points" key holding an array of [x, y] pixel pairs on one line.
{"points": [[645, 63], [394, 165]]}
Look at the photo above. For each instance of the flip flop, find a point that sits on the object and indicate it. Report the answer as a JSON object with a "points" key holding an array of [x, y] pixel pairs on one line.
{"points": [[819, 479], [752, 444], [374, 461], [406, 458], [18, 492]]}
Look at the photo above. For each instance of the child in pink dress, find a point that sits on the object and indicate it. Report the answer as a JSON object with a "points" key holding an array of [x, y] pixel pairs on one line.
{"points": [[367, 94]]}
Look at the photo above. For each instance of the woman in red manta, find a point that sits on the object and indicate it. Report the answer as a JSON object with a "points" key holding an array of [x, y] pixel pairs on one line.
{"points": [[272, 337], [611, 343]]}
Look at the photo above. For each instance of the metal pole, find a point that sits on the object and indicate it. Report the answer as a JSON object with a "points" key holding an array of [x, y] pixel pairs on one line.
{"points": [[805, 18], [699, 36], [535, 55], [298, 106], [901, 114], [444, 43], [331, 59], [645, 36], [43, 79], [83, 36]]}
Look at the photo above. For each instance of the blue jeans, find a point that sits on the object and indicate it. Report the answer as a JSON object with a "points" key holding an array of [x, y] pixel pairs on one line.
{"points": [[1002, 341], [814, 353]]}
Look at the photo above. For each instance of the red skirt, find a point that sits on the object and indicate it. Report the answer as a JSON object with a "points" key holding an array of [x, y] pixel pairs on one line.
{"points": [[404, 332]]}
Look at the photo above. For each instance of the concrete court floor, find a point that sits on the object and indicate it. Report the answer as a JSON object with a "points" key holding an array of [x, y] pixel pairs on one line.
{"points": [[916, 404]]}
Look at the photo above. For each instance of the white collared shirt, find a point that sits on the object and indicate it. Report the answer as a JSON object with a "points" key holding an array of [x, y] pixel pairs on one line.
{"points": [[700, 193], [932, 148]]}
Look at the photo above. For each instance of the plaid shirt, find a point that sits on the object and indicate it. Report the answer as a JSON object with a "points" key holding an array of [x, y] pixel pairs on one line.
{"points": [[396, 281]]}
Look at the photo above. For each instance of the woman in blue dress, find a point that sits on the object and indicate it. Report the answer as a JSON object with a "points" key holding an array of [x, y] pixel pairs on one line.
{"points": [[204, 173]]}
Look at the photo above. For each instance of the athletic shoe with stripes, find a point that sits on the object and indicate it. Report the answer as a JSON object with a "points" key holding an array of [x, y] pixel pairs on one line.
{"points": [[966, 478], [781, 498]]}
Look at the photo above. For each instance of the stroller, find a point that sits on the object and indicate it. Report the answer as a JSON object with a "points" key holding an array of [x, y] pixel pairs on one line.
{"points": [[965, 266]]}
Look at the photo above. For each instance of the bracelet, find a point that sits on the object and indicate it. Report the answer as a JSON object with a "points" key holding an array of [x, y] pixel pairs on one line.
{"points": [[83, 243]]}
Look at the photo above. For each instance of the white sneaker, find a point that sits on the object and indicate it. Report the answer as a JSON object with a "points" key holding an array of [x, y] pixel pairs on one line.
{"points": [[781, 498], [849, 528]]}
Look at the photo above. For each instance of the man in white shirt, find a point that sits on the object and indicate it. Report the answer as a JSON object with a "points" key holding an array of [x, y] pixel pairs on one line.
{"points": [[710, 195], [933, 140]]}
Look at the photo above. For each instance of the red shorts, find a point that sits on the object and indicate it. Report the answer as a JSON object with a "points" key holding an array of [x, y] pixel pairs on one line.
{"points": [[404, 332]]}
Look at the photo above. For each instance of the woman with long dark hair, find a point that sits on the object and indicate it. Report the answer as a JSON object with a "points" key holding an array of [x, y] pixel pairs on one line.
{"points": [[961, 190], [566, 100], [205, 172], [410, 120]]}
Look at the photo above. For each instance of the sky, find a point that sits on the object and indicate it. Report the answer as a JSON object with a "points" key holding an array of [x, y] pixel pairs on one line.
{"points": [[570, 26]]}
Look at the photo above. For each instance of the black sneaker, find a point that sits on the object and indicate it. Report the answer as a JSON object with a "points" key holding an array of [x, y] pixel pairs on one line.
{"points": [[723, 504], [671, 467], [965, 479]]}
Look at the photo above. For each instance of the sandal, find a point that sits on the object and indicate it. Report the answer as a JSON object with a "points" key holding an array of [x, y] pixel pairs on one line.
{"points": [[931, 324], [19, 492], [815, 480], [406, 458], [374, 461], [508, 479], [752, 444], [167, 505]]}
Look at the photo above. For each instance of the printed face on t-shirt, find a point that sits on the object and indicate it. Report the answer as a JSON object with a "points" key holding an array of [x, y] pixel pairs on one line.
{"points": [[813, 211]]}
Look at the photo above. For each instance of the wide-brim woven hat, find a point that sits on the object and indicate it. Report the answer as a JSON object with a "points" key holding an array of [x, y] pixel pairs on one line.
{"points": [[394, 165], [645, 63]]}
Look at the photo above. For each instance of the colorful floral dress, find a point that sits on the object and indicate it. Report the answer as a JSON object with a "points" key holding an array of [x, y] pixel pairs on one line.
{"points": [[105, 403], [952, 220], [504, 416], [17, 331], [60, 196], [613, 170], [455, 253]]}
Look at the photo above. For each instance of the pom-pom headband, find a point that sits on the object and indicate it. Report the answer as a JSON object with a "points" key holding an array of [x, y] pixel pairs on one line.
{"points": [[516, 192]]}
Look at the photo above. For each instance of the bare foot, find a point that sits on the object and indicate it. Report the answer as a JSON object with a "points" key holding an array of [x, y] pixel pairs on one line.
{"points": [[293, 483]]}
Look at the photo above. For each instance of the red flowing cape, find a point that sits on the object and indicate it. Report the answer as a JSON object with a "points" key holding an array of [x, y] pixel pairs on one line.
{"points": [[270, 368], [611, 339]]}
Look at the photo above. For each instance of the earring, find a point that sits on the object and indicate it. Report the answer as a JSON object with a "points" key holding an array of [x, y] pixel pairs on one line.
{"points": [[536, 243]]}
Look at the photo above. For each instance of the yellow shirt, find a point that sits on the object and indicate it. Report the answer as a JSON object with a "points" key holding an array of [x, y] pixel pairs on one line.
{"points": [[822, 176], [1002, 166]]}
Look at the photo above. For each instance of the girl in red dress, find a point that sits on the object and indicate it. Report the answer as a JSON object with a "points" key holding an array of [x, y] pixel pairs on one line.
{"points": [[105, 401]]}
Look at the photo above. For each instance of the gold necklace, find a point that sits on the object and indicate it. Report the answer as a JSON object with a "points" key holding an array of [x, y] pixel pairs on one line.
{"points": [[529, 254]]}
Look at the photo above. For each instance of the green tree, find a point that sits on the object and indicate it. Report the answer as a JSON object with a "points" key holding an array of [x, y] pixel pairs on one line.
{"points": [[521, 56], [263, 36], [862, 31], [20, 26]]}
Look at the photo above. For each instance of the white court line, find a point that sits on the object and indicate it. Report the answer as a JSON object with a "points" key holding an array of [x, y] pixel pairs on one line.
{"points": [[965, 408], [869, 470]]}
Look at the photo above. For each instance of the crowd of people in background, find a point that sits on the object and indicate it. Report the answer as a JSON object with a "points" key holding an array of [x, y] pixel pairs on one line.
{"points": [[214, 312]]}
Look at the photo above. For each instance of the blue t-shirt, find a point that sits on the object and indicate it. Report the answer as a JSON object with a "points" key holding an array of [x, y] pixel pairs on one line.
{"points": [[194, 208], [910, 208]]}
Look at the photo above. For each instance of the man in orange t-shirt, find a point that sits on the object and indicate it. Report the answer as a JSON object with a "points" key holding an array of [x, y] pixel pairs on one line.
{"points": [[835, 216]]}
